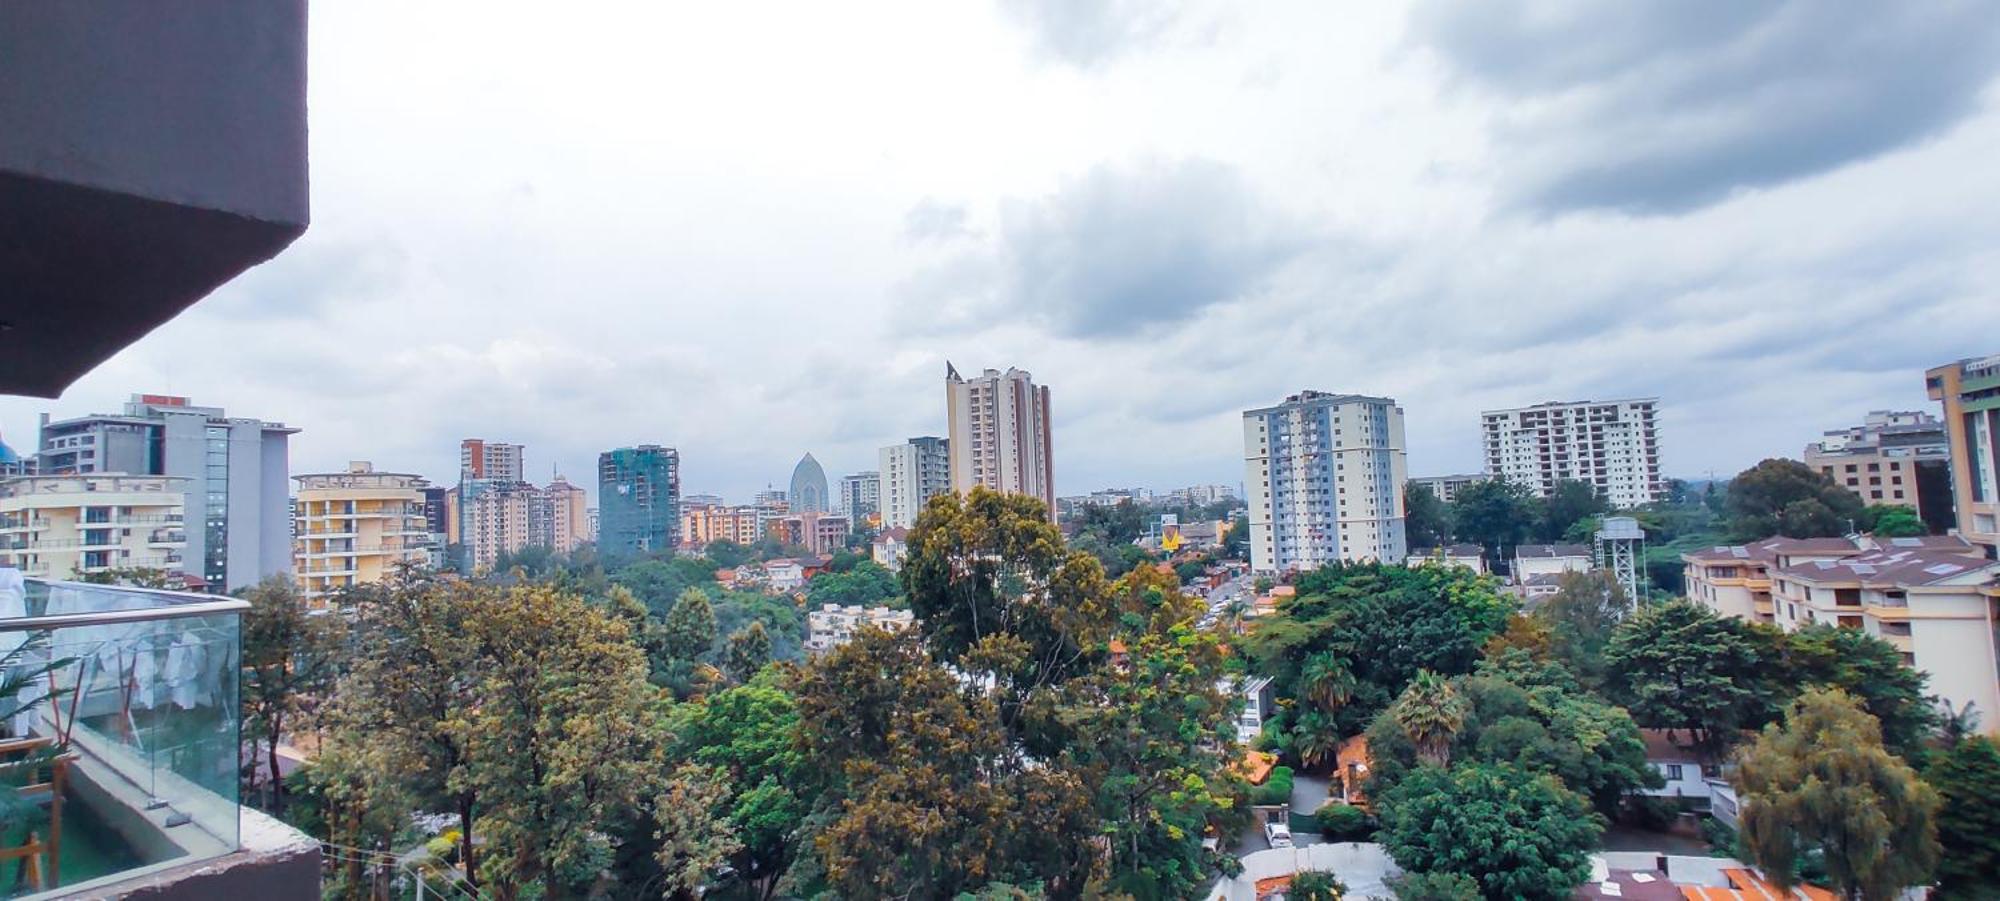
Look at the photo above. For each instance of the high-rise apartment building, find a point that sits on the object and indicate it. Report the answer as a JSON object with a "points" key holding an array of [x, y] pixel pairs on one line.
{"points": [[808, 492], [496, 519], [912, 473], [638, 500], [704, 524], [1892, 457], [1000, 434], [236, 471], [860, 495], [68, 527], [1324, 477], [1970, 393], [565, 508], [1613, 446], [355, 527], [489, 460], [1446, 488]]}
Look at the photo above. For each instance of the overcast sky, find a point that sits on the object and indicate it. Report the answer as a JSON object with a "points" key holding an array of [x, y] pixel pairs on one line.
{"points": [[750, 230]]}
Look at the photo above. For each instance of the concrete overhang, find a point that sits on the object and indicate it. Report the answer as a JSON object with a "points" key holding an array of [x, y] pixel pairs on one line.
{"points": [[149, 152]]}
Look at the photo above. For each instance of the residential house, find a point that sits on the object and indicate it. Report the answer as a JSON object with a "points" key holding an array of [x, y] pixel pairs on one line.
{"points": [[833, 625], [891, 545], [1470, 556]]}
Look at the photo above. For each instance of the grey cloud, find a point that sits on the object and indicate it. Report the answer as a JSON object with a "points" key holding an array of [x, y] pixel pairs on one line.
{"points": [[1125, 250], [308, 279], [1088, 33], [1665, 105]]}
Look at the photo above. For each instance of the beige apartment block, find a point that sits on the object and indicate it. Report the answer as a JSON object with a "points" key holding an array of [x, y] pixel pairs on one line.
{"points": [[66, 527], [1934, 598], [354, 527]]}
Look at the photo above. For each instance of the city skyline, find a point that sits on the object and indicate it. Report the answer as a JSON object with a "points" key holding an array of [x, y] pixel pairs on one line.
{"points": [[1482, 249]]}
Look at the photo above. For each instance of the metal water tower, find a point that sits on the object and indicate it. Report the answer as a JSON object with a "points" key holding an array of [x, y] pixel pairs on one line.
{"points": [[1621, 550]]}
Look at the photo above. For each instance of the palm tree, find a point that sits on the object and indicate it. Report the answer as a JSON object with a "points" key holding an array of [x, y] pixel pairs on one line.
{"points": [[1327, 681], [1314, 739], [1956, 725], [1431, 713], [1234, 613]]}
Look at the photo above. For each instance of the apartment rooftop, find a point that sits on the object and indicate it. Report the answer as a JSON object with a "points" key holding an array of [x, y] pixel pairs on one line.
{"points": [[1893, 568], [1768, 550], [1552, 551]]}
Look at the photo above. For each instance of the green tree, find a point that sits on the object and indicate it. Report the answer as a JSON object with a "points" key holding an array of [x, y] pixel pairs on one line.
{"points": [[1567, 504], [694, 840], [749, 651], [1872, 671], [290, 660], [865, 583], [1678, 666], [1496, 514], [1519, 834], [747, 733], [1435, 887], [1967, 779], [1892, 521], [659, 584], [1236, 540], [726, 554], [1431, 713], [1581, 616], [1313, 885], [1823, 785], [1786, 497], [689, 628], [1426, 520], [559, 740]]}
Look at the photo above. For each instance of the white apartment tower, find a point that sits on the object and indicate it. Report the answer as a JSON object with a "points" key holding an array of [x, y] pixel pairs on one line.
{"points": [[1000, 434], [911, 473], [1324, 475], [1613, 445]]}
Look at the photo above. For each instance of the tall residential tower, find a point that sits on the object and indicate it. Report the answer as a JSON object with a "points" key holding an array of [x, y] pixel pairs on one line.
{"points": [[912, 472], [1000, 434], [1324, 477], [1613, 446], [1970, 393]]}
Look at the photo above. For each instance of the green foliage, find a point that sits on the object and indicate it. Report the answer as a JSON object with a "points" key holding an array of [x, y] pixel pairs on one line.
{"points": [[1435, 887], [1431, 713], [1236, 539], [1580, 617], [290, 659], [1823, 786], [747, 735], [865, 584], [1872, 671], [659, 584], [1534, 716], [1495, 514], [1570, 502], [1426, 520], [1277, 789], [1679, 666], [688, 631], [1519, 834], [1342, 822], [727, 554], [1786, 497], [1892, 521], [785, 624], [1313, 885], [1967, 778], [1384, 623], [749, 650]]}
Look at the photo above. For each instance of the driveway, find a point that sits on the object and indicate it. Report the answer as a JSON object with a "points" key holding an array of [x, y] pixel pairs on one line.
{"points": [[1364, 867], [1308, 792]]}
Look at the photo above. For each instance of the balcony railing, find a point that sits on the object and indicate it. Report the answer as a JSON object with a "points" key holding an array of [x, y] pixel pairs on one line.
{"points": [[121, 732]]}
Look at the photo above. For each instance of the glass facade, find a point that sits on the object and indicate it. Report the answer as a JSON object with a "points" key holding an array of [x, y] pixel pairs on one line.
{"points": [[215, 480]]}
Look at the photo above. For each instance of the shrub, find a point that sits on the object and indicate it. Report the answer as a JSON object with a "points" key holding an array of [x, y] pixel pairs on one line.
{"points": [[1649, 813], [1313, 885], [1275, 790], [1343, 822], [1435, 887]]}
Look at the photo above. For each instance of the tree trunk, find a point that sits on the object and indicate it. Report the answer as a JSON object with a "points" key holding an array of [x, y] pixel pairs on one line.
{"points": [[277, 779], [465, 860]]}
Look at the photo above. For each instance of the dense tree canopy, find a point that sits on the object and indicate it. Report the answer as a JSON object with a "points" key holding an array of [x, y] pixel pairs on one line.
{"points": [[866, 583], [1426, 519], [1967, 779], [1678, 666], [1384, 622], [1823, 786], [1495, 514], [1786, 497], [1871, 671], [1518, 834]]}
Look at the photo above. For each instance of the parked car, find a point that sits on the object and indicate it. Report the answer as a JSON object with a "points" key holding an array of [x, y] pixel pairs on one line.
{"points": [[1278, 834]]}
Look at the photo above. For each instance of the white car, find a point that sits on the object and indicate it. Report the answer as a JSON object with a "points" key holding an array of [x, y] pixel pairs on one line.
{"points": [[1278, 834]]}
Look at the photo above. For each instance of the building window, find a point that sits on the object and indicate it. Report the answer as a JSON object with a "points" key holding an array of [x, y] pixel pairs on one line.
{"points": [[1672, 771]]}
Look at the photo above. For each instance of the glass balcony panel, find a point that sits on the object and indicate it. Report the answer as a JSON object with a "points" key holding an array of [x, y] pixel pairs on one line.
{"points": [[121, 734]]}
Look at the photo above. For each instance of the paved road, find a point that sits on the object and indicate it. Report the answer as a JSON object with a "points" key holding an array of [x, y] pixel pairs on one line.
{"points": [[1308, 792]]}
